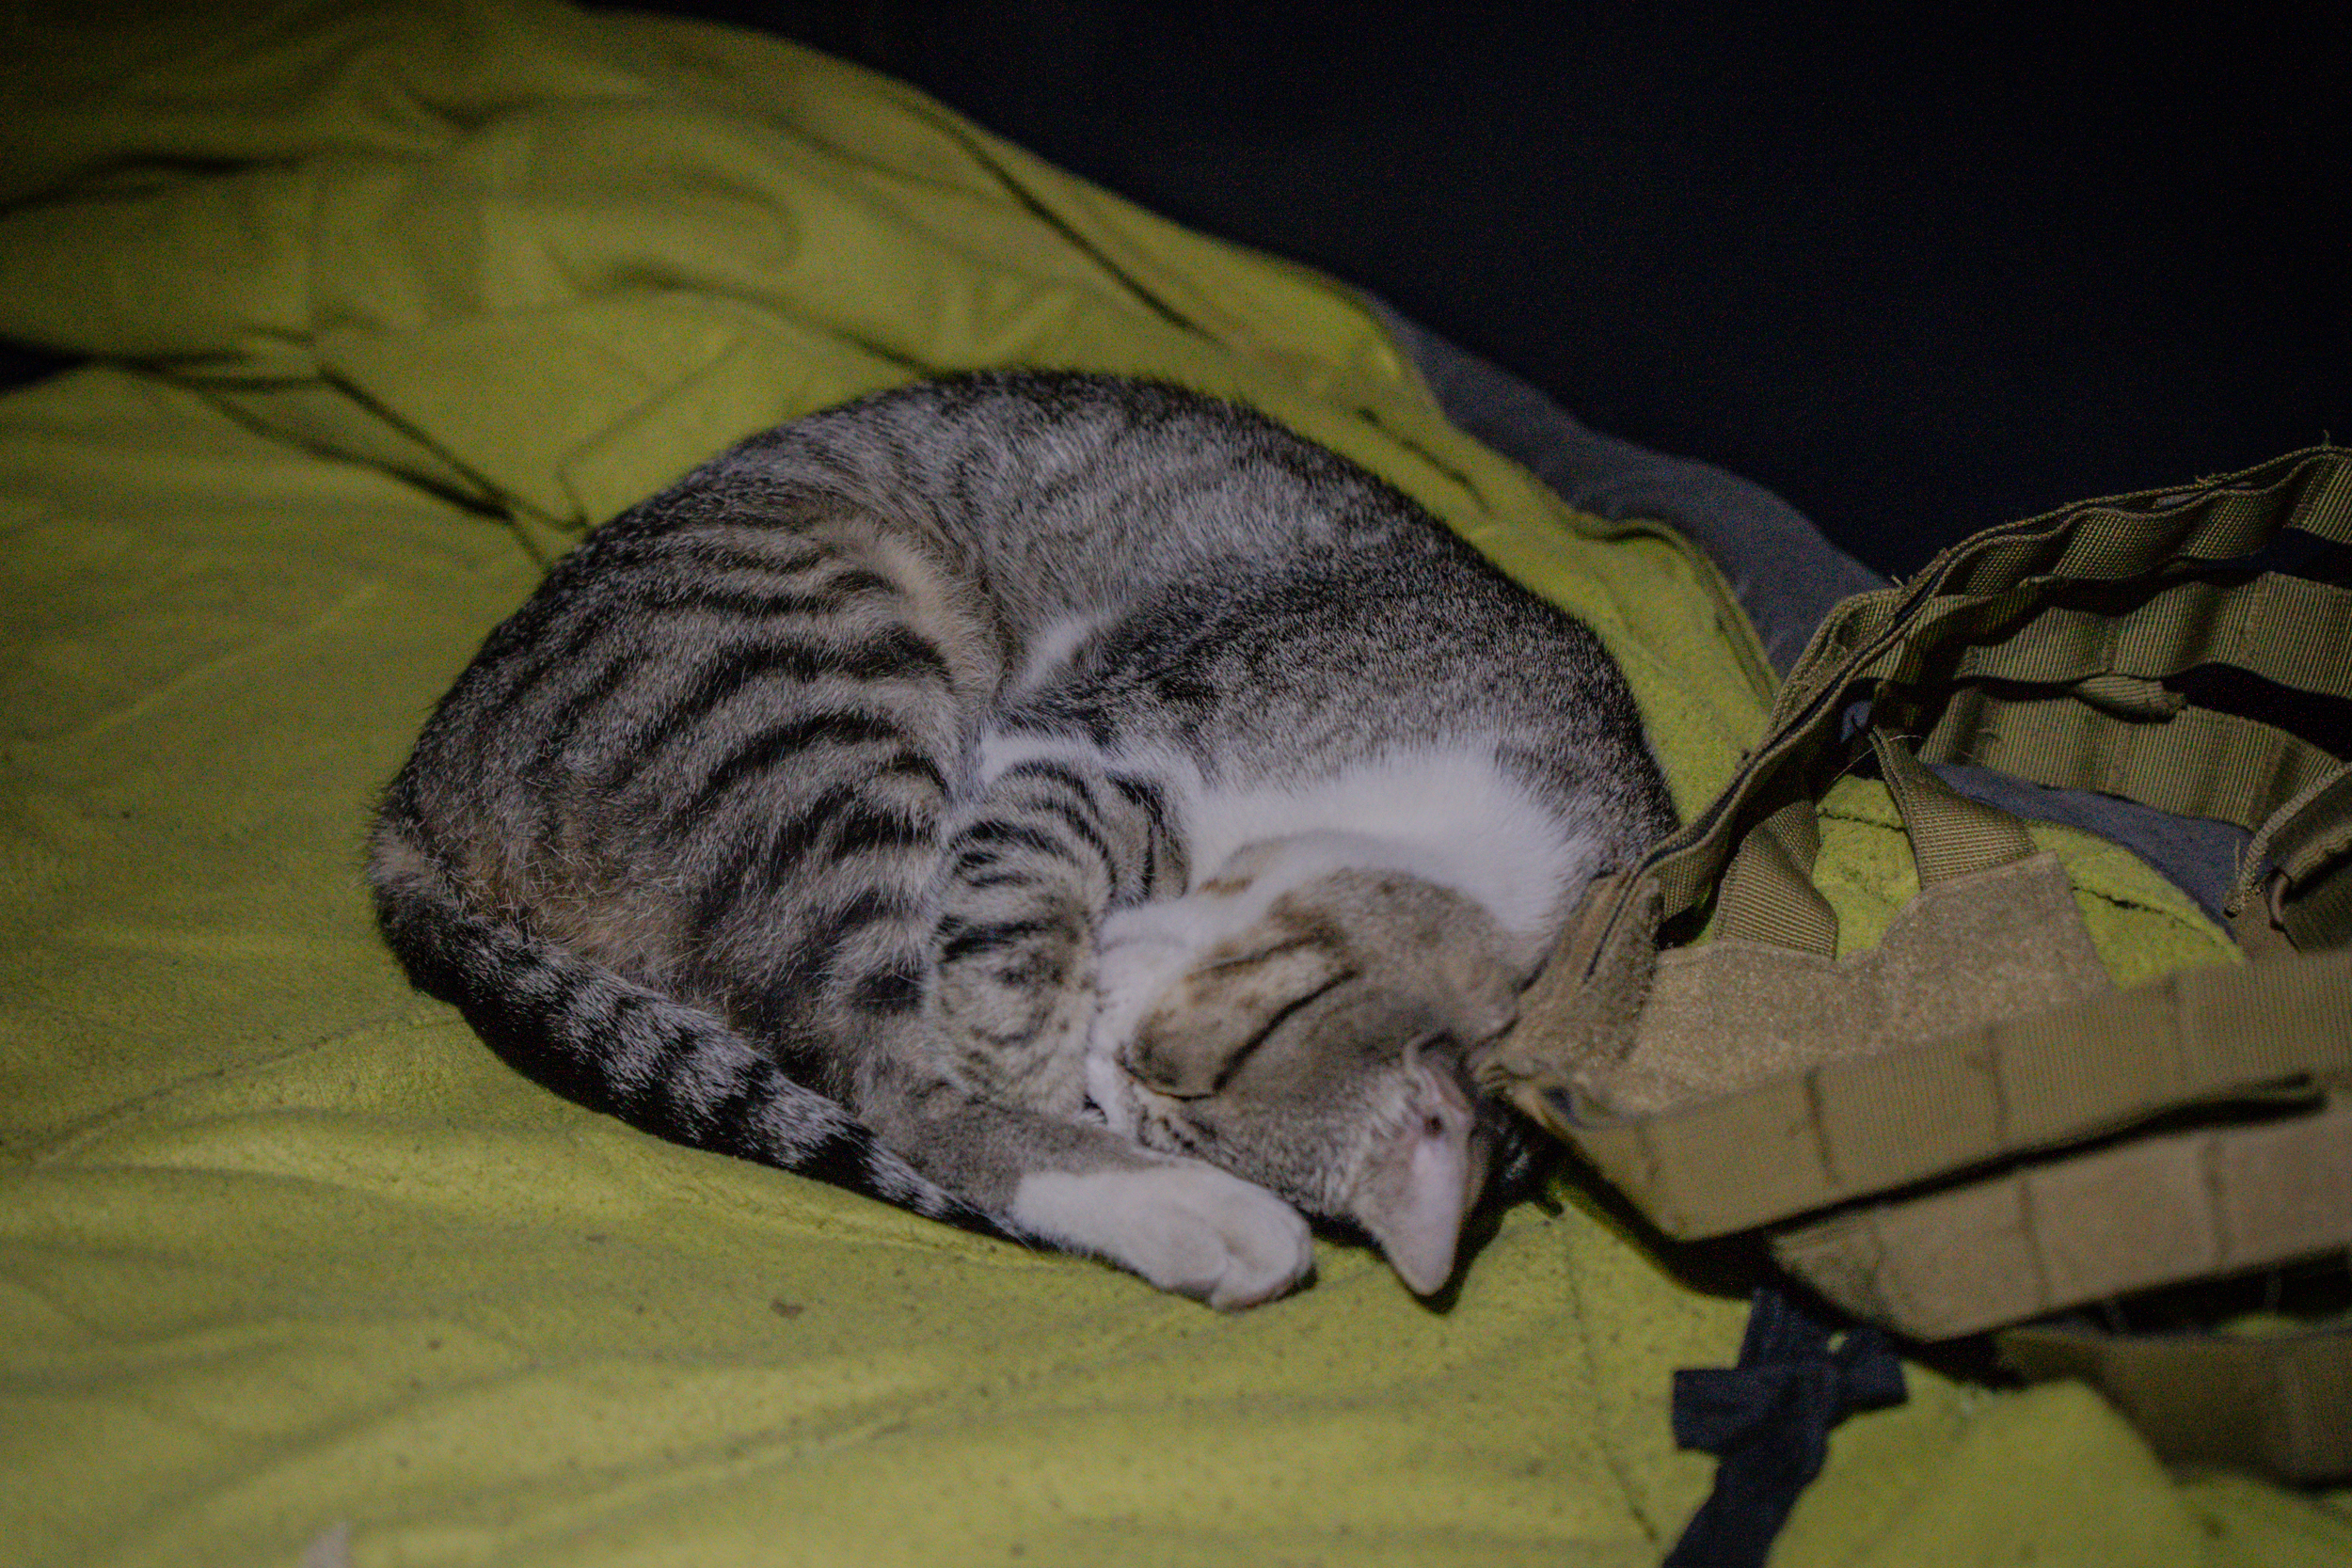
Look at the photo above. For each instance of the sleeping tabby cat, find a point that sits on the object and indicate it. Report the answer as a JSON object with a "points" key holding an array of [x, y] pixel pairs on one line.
{"points": [[1065, 805]]}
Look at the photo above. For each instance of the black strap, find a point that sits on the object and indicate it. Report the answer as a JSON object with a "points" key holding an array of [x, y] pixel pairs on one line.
{"points": [[1769, 1419]]}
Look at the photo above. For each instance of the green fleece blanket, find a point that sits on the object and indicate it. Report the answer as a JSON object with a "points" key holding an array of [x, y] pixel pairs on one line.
{"points": [[390, 303]]}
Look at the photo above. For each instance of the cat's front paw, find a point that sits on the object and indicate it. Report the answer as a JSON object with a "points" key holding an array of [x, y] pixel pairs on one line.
{"points": [[1187, 1227], [1140, 953]]}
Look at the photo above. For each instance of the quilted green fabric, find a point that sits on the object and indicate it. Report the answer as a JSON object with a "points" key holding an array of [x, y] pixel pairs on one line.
{"points": [[394, 300]]}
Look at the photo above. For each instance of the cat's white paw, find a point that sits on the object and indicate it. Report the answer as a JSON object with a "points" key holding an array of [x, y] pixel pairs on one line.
{"points": [[1186, 1227], [1140, 954]]}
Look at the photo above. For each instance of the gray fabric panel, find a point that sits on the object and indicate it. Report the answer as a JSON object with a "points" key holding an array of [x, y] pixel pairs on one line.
{"points": [[1784, 571], [2195, 854]]}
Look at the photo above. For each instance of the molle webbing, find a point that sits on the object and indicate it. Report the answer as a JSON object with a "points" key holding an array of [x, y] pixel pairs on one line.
{"points": [[2144, 1212], [2276, 1403], [1968, 1101], [1891, 659], [1989, 598], [1874, 1124]]}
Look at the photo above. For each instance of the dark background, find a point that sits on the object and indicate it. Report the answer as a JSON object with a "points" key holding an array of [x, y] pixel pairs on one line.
{"points": [[1919, 274]]}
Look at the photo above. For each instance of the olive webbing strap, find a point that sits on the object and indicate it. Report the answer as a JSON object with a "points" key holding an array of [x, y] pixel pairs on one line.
{"points": [[2318, 918], [2307, 831], [2288, 630], [1864, 1125], [2142, 533], [2003, 572], [2132, 736], [1950, 835], [2305, 839], [2198, 763], [2089, 1226], [1768, 894], [2124, 536], [2281, 1404]]}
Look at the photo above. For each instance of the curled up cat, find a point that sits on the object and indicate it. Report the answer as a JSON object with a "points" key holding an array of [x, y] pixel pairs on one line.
{"points": [[1068, 807]]}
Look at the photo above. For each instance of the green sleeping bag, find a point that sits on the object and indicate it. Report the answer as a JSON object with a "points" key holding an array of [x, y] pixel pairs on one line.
{"points": [[386, 305]]}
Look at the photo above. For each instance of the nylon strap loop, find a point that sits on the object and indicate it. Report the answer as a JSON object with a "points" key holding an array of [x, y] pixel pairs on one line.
{"points": [[1851, 1128], [2291, 631], [2281, 1404], [2199, 763], [2306, 832], [1950, 835], [2318, 918], [1768, 894], [2002, 572], [2099, 541]]}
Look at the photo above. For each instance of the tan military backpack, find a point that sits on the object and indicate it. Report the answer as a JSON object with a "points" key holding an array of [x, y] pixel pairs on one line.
{"points": [[1967, 1127]]}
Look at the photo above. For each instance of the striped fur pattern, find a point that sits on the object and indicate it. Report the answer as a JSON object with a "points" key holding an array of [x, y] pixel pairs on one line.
{"points": [[1062, 805]]}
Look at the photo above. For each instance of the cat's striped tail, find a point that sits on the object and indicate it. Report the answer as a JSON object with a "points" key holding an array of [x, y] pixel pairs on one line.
{"points": [[596, 1038]]}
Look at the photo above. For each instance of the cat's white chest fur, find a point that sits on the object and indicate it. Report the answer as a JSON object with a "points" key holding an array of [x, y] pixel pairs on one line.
{"points": [[1448, 816]]}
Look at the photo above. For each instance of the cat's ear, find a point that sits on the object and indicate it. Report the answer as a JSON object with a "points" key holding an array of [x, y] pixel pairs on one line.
{"points": [[1198, 1033], [1420, 1178]]}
